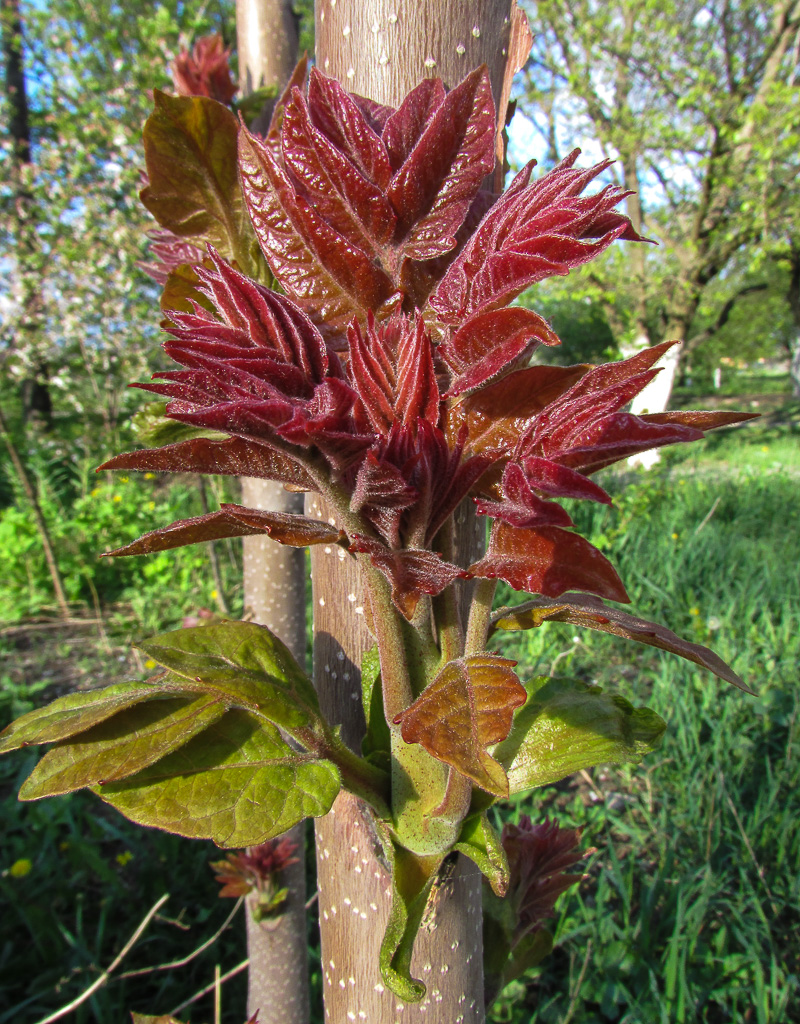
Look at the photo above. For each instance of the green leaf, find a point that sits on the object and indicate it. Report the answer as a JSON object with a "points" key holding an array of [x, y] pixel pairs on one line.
{"points": [[481, 842], [377, 738], [566, 725], [238, 783], [121, 746], [154, 429], [73, 714], [190, 145], [412, 881], [247, 665]]}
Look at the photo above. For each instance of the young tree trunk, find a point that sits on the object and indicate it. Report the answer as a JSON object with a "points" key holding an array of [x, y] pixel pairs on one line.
{"points": [[274, 589], [382, 50]]}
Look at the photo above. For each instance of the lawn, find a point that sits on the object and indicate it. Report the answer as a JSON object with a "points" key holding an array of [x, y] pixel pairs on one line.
{"points": [[692, 902]]}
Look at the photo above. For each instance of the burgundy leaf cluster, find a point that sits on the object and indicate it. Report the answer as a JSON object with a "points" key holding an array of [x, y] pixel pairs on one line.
{"points": [[205, 71], [255, 869], [539, 857], [391, 369]]}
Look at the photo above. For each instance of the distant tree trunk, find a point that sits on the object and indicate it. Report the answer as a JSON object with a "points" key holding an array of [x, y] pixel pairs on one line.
{"points": [[34, 391], [382, 49], [793, 295], [274, 587]]}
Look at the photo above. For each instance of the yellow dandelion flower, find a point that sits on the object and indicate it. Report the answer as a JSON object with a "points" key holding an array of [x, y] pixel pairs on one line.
{"points": [[20, 868], [214, 595], [694, 611], [764, 448], [124, 479], [117, 497], [674, 536], [94, 493], [149, 663], [124, 858], [149, 476], [151, 505]]}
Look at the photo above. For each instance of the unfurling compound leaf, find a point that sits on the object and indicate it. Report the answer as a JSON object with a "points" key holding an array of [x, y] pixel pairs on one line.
{"points": [[247, 666], [467, 708], [234, 521], [481, 843], [193, 189], [74, 714], [566, 725], [238, 783], [592, 613], [122, 745], [548, 560]]}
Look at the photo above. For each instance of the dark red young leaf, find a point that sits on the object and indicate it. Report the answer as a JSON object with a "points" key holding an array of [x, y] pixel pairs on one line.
{"points": [[548, 561], [435, 185], [404, 127], [251, 319], [352, 204], [492, 342], [592, 613], [382, 493], [391, 368], [561, 482], [233, 456], [411, 572], [338, 116], [535, 230], [466, 709], [296, 81], [519, 506], [703, 420], [332, 279], [234, 521]]}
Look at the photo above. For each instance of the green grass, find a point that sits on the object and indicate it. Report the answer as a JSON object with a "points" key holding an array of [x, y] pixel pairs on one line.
{"points": [[693, 901], [692, 905]]}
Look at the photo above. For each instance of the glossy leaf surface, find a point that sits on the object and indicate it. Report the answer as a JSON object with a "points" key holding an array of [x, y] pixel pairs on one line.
{"points": [[121, 746], [566, 725], [481, 843], [548, 560], [238, 784], [467, 708]]}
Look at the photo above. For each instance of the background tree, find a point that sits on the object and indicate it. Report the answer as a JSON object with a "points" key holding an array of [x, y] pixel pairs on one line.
{"points": [[682, 95]]}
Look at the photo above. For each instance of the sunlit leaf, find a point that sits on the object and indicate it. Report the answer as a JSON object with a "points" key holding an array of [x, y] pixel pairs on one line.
{"points": [[480, 842], [566, 725]]}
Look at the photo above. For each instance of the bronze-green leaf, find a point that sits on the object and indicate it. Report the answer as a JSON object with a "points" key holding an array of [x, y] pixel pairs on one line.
{"points": [[73, 714], [237, 783], [591, 613], [131, 740], [566, 725], [466, 709], [190, 145], [246, 665]]}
